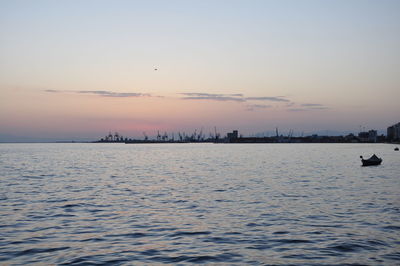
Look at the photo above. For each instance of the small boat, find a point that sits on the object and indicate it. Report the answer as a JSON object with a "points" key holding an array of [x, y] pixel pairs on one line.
{"points": [[396, 149], [374, 160]]}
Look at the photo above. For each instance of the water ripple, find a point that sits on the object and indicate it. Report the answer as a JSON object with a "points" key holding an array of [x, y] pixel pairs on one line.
{"points": [[89, 204]]}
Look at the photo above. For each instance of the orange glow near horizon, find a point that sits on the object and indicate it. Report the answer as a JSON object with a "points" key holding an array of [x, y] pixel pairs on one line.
{"points": [[69, 113]]}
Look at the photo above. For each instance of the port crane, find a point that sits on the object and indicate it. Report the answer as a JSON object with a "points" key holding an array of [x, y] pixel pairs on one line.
{"points": [[199, 137], [165, 136], [158, 135], [216, 134]]}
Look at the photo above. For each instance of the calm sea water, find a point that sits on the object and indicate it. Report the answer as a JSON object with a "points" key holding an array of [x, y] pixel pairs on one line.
{"points": [[228, 204]]}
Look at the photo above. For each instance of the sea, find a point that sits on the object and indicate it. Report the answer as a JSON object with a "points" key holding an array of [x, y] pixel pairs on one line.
{"points": [[184, 204]]}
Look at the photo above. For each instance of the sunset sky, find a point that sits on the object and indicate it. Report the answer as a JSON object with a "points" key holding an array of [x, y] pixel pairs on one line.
{"points": [[78, 69]]}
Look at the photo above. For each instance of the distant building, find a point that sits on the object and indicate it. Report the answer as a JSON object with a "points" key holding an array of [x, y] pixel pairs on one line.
{"points": [[351, 138], [363, 136], [232, 136], [369, 136], [393, 132], [372, 135]]}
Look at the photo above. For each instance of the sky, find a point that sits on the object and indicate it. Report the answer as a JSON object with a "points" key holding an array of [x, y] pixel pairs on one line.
{"points": [[79, 69]]}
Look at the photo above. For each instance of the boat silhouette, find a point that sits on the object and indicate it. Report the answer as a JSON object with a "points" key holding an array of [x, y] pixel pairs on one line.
{"points": [[373, 160]]}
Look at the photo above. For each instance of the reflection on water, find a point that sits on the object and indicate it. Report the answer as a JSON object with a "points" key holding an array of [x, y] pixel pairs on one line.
{"points": [[198, 203]]}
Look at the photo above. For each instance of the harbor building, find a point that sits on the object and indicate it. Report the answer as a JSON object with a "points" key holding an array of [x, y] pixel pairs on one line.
{"points": [[393, 132], [232, 135], [368, 136]]}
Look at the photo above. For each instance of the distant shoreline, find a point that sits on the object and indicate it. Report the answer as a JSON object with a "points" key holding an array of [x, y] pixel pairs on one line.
{"points": [[155, 142]]}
